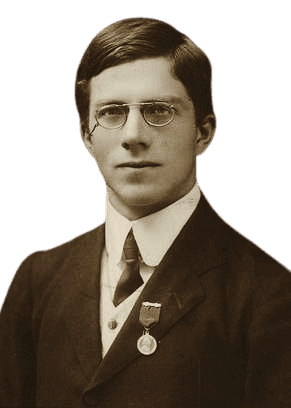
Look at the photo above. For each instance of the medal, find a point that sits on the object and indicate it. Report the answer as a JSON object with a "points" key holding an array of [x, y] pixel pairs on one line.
{"points": [[149, 316], [146, 344]]}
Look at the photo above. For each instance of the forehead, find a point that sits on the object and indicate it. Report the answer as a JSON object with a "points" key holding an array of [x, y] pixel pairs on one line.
{"points": [[138, 81]]}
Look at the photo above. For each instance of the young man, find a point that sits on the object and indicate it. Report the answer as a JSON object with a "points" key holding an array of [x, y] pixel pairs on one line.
{"points": [[165, 305]]}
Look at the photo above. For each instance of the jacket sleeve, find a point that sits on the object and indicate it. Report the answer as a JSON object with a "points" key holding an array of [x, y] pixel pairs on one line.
{"points": [[17, 351], [268, 377]]}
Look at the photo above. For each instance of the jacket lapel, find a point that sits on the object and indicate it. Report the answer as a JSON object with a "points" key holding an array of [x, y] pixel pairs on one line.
{"points": [[175, 284]]}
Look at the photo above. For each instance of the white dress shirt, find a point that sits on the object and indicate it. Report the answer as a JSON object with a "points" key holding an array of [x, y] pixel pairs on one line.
{"points": [[154, 235]]}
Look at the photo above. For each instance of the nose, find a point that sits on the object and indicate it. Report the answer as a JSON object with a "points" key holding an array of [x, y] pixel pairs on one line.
{"points": [[135, 132]]}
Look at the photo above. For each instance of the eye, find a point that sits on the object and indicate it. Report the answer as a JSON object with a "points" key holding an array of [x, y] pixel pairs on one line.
{"points": [[159, 113], [110, 111], [158, 109], [111, 116]]}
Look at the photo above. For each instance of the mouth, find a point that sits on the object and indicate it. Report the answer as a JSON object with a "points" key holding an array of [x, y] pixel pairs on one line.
{"points": [[138, 165]]}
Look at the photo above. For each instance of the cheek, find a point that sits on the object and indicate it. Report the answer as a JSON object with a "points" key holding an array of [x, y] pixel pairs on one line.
{"points": [[181, 144], [101, 148], [182, 161]]}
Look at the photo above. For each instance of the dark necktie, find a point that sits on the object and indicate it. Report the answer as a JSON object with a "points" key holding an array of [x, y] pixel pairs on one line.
{"points": [[130, 279]]}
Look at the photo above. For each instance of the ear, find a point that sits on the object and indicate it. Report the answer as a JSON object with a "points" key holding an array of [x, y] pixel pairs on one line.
{"points": [[87, 139], [205, 133]]}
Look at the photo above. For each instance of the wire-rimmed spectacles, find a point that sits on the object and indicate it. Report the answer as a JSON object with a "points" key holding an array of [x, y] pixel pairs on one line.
{"points": [[114, 116]]}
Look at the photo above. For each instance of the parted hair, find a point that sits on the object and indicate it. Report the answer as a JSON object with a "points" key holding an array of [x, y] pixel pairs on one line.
{"points": [[139, 38]]}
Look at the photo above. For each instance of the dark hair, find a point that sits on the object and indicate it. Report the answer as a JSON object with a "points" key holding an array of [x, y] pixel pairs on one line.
{"points": [[137, 38]]}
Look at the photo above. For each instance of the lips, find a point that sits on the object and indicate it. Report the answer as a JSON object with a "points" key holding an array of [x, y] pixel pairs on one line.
{"points": [[139, 165]]}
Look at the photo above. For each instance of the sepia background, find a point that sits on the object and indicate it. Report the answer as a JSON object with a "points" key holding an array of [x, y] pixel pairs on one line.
{"points": [[51, 190]]}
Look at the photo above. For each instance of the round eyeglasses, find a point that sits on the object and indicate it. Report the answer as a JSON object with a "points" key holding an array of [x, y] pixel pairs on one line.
{"points": [[154, 113]]}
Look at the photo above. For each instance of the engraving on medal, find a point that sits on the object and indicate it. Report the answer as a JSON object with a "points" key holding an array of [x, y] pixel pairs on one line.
{"points": [[146, 344]]}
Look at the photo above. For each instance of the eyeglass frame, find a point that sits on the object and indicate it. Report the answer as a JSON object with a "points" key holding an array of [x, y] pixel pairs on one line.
{"points": [[171, 107]]}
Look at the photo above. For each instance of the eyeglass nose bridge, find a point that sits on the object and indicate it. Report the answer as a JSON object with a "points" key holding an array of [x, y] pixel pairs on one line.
{"points": [[141, 106], [126, 110]]}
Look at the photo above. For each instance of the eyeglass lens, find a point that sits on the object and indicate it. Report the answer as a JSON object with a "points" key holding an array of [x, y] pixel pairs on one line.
{"points": [[156, 114]]}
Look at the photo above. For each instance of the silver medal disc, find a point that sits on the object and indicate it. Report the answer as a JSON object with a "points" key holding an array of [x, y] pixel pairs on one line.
{"points": [[146, 344]]}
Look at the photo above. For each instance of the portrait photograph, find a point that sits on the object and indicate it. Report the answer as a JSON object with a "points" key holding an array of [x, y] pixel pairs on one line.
{"points": [[148, 140]]}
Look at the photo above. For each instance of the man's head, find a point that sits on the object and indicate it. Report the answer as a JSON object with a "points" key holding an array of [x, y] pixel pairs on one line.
{"points": [[139, 38], [143, 92]]}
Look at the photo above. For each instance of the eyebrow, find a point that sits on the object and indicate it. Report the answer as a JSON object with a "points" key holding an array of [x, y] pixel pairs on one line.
{"points": [[167, 98]]}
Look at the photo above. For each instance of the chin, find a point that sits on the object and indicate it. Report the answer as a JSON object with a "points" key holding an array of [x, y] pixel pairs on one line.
{"points": [[147, 204], [139, 200]]}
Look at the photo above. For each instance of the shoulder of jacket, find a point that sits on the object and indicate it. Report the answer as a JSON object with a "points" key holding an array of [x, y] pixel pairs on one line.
{"points": [[81, 241]]}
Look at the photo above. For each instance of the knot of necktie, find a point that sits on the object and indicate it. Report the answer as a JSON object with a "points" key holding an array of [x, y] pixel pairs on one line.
{"points": [[130, 248]]}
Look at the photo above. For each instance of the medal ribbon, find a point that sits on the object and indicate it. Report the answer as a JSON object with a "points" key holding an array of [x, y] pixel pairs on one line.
{"points": [[149, 314]]}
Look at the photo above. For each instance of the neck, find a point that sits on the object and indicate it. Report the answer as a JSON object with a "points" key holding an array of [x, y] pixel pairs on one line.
{"points": [[135, 212]]}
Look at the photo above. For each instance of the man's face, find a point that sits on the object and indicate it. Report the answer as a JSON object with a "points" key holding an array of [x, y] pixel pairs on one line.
{"points": [[145, 168]]}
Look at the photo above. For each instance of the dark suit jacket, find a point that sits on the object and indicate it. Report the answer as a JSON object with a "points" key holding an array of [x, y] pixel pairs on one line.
{"points": [[224, 336]]}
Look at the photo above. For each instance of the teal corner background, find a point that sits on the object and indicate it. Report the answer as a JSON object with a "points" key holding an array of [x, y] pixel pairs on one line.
{"points": [[50, 187]]}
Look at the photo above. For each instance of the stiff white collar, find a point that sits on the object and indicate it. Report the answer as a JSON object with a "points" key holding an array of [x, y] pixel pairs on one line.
{"points": [[154, 233]]}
